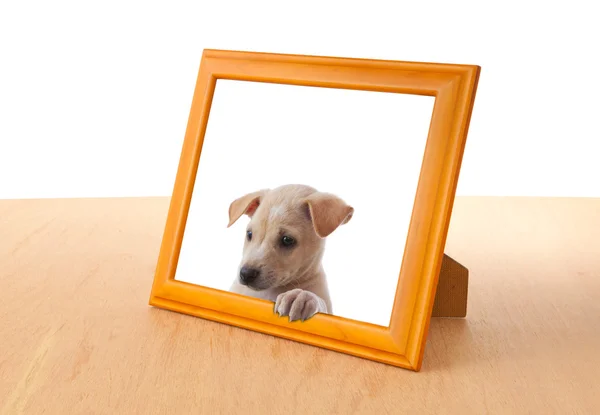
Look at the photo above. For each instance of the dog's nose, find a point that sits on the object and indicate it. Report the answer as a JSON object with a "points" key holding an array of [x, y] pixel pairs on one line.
{"points": [[247, 274]]}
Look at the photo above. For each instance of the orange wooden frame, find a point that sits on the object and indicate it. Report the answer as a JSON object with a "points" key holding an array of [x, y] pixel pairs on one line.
{"points": [[402, 343]]}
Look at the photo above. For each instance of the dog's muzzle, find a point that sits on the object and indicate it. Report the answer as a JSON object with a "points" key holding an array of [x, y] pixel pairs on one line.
{"points": [[248, 275]]}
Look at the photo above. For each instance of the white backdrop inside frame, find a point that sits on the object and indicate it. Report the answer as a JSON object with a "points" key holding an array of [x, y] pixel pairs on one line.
{"points": [[366, 147]]}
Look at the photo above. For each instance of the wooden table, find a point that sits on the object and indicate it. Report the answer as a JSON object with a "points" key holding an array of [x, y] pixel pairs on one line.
{"points": [[77, 335]]}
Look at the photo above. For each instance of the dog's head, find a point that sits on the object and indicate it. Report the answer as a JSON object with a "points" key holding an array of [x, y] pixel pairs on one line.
{"points": [[285, 237]]}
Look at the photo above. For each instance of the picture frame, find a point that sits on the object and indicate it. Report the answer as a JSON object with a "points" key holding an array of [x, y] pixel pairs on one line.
{"points": [[402, 343]]}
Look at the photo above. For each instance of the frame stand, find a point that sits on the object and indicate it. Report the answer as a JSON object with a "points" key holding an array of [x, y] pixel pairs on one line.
{"points": [[451, 293]]}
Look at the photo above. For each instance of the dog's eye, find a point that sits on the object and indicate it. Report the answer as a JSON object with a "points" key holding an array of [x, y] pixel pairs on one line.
{"points": [[287, 241], [249, 235]]}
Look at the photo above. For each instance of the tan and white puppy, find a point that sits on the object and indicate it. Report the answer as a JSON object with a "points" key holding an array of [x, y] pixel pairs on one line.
{"points": [[284, 245]]}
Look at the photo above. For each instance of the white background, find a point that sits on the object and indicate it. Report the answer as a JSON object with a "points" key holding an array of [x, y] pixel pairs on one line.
{"points": [[365, 147], [94, 96]]}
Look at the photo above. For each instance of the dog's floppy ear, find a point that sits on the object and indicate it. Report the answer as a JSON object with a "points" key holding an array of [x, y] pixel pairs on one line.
{"points": [[327, 212], [245, 205]]}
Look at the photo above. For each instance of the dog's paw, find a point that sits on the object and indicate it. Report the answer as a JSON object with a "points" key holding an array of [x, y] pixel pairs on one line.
{"points": [[299, 304]]}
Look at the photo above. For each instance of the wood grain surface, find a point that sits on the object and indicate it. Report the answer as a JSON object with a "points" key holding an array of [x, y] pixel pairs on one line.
{"points": [[77, 335]]}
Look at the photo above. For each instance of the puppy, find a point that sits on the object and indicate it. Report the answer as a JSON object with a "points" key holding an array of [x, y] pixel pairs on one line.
{"points": [[284, 246]]}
